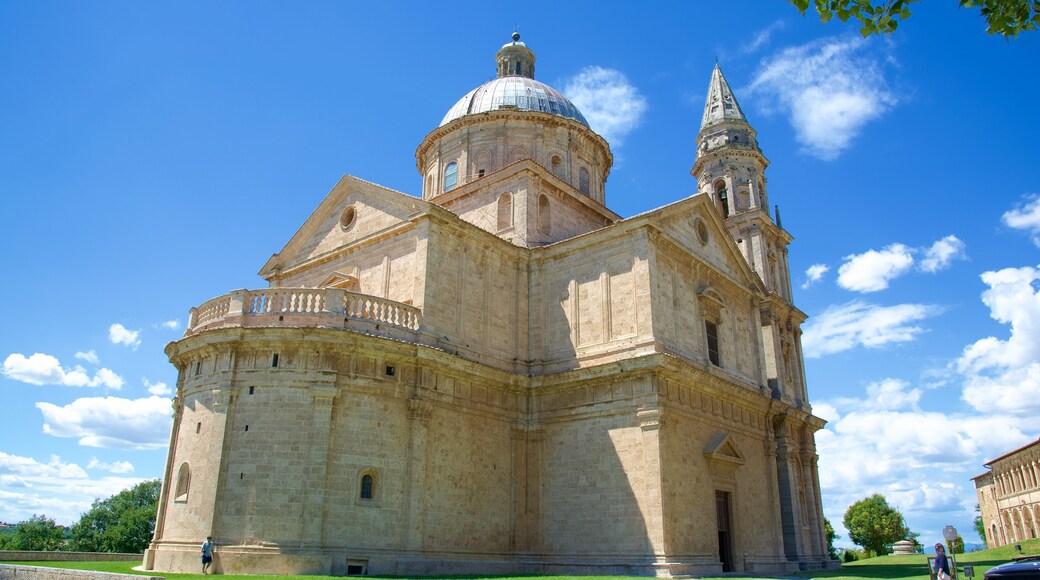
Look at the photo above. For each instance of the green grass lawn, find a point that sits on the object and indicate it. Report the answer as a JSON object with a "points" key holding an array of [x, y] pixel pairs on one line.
{"points": [[915, 567], [883, 567]]}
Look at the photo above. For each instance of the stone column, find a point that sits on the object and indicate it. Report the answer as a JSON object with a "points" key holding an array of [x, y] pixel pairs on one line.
{"points": [[816, 529], [313, 516], [527, 447], [789, 513], [774, 523], [651, 499], [419, 413]]}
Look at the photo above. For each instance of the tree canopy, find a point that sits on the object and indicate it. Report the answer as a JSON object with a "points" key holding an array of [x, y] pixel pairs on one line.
{"points": [[1004, 17], [38, 533], [875, 525], [121, 523]]}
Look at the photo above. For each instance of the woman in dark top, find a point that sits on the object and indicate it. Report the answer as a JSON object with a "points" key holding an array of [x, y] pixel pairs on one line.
{"points": [[942, 563]]}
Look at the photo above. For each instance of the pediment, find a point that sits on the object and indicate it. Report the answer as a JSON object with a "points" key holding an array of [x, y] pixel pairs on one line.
{"points": [[353, 211], [341, 280], [695, 227], [723, 450]]}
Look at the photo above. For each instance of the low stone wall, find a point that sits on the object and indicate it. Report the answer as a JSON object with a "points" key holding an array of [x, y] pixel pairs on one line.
{"points": [[12, 572], [31, 556]]}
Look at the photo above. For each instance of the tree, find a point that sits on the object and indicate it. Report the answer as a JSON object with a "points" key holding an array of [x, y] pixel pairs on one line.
{"points": [[38, 533], [831, 536], [874, 524], [980, 526], [1004, 17], [121, 523], [957, 545]]}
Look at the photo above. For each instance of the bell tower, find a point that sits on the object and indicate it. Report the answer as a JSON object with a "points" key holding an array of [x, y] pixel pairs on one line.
{"points": [[730, 170]]}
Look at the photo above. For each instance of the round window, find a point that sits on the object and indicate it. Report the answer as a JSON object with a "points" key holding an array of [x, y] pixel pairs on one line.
{"points": [[348, 218], [702, 231]]}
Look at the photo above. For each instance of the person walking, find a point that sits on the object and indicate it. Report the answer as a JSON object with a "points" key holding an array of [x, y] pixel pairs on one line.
{"points": [[207, 553], [942, 563]]}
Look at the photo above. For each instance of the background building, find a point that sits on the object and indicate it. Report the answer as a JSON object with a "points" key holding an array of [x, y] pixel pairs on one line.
{"points": [[1009, 496], [505, 375]]}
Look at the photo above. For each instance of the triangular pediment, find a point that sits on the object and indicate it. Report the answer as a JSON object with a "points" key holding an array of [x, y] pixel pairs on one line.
{"points": [[694, 225], [723, 450], [341, 280], [355, 210]]}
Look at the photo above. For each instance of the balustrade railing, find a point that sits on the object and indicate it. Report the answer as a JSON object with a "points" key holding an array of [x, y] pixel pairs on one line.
{"points": [[301, 303]]}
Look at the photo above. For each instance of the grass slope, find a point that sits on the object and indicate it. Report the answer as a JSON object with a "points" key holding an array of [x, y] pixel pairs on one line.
{"points": [[916, 567], [880, 568]]}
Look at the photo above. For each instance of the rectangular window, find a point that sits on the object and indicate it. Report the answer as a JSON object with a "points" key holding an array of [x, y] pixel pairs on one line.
{"points": [[711, 330], [274, 360], [252, 390]]}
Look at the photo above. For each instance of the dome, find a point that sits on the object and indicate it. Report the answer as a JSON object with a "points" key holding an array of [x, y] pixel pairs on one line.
{"points": [[514, 88], [523, 93]]}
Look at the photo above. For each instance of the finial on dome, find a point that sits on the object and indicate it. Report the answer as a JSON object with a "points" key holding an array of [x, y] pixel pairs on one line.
{"points": [[516, 36]]}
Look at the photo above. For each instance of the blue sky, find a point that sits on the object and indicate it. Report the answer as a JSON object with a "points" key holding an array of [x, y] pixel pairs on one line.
{"points": [[154, 155]]}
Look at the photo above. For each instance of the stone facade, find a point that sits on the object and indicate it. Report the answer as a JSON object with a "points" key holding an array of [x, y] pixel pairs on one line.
{"points": [[1009, 496], [504, 376]]}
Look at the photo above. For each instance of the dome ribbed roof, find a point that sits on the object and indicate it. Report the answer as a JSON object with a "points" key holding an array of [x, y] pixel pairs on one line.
{"points": [[514, 88], [520, 92]]}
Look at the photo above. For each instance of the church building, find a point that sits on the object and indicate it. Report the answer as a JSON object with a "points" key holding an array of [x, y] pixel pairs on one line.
{"points": [[503, 375]]}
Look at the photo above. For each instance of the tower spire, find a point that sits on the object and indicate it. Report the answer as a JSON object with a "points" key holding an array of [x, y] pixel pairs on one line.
{"points": [[721, 105]]}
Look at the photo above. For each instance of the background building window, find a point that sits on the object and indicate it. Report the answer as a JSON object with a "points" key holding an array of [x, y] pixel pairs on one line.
{"points": [[451, 176], [583, 180], [367, 484]]}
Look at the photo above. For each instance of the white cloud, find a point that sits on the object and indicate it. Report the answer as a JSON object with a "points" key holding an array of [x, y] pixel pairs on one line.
{"points": [[1026, 217], [116, 467], [28, 467], [921, 460], [59, 489], [872, 270], [89, 356], [111, 421], [941, 253], [1004, 375], [612, 105], [159, 389], [44, 369], [841, 328], [761, 38], [119, 334], [814, 274], [170, 324], [829, 90]]}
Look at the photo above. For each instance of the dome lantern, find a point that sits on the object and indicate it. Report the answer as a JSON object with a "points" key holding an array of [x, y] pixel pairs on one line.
{"points": [[515, 59]]}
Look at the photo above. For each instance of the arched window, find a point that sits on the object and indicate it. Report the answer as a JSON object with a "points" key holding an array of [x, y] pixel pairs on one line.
{"points": [[368, 488], [483, 164], [505, 211], [544, 219], [451, 176], [180, 493], [583, 180], [518, 154], [722, 197]]}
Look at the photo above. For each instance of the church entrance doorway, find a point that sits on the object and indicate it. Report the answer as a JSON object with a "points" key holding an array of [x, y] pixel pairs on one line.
{"points": [[722, 518]]}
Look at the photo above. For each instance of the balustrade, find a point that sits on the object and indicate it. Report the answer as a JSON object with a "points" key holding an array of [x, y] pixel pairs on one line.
{"points": [[301, 303]]}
